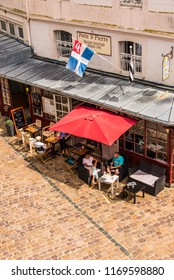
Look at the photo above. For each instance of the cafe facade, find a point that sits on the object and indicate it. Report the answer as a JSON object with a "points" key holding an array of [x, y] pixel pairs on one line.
{"points": [[48, 91]]}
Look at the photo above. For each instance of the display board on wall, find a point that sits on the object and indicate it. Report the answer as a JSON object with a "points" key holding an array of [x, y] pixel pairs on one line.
{"points": [[18, 116], [37, 103], [48, 106], [100, 44]]}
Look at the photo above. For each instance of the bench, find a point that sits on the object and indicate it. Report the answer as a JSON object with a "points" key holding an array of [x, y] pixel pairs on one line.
{"points": [[149, 175]]}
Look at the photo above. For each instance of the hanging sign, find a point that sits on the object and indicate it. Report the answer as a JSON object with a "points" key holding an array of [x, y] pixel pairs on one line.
{"points": [[165, 68]]}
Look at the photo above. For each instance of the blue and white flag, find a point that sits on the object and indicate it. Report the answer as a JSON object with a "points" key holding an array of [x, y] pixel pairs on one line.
{"points": [[79, 59]]}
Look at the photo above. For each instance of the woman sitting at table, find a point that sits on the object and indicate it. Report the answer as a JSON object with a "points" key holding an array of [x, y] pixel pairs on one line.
{"points": [[87, 160], [94, 173]]}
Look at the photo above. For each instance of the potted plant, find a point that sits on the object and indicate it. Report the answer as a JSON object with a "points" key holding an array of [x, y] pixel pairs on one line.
{"points": [[10, 127]]}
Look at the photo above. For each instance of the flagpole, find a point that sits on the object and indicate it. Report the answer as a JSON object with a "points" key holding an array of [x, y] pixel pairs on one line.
{"points": [[131, 67]]}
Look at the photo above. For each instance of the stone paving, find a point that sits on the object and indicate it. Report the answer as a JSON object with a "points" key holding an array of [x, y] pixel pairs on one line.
{"points": [[48, 213]]}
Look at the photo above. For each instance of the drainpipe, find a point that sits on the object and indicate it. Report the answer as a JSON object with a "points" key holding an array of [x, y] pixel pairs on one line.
{"points": [[28, 22]]}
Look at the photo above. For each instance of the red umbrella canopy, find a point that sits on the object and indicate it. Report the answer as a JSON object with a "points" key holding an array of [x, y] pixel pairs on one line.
{"points": [[95, 124]]}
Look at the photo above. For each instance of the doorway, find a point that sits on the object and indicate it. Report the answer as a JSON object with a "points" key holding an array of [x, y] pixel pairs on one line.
{"points": [[19, 96]]}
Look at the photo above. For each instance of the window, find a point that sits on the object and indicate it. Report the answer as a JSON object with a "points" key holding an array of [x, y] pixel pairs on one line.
{"points": [[149, 139], [3, 25], [12, 29], [136, 3], [62, 106], [64, 43], [136, 56], [5, 92], [20, 31], [156, 141]]}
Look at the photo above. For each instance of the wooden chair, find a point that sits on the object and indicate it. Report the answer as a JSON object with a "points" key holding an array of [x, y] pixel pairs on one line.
{"points": [[21, 137], [70, 164], [37, 123], [45, 132]]}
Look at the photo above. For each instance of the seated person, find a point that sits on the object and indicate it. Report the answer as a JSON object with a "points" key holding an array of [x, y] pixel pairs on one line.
{"points": [[117, 162], [94, 172], [40, 146], [87, 160]]}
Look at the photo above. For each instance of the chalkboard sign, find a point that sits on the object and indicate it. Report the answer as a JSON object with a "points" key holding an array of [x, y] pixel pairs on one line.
{"points": [[19, 119]]}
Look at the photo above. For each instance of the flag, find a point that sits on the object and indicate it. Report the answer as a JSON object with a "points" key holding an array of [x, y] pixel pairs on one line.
{"points": [[131, 70], [79, 59]]}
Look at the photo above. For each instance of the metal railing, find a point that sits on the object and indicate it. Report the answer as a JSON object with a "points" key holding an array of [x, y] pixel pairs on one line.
{"points": [[137, 62], [64, 48], [137, 3]]}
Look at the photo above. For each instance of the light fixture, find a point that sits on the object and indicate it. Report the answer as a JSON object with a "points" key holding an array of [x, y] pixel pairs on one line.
{"points": [[27, 89]]}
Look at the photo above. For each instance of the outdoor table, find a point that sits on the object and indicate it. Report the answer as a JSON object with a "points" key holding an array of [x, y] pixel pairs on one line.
{"points": [[134, 189], [53, 140], [80, 151], [33, 130], [110, 180]]}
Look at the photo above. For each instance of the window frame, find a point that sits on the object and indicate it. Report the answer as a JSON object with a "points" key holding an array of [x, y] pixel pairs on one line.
{"points": [[64, 46], [136, 56], [148, 139]]}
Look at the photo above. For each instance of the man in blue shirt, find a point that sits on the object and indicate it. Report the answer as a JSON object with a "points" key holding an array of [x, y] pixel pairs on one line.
{"points": [[117, 162]]}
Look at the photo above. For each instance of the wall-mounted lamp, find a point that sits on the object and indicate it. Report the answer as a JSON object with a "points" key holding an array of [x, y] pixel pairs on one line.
{"points": [[167, 130], [27, 89], [170, 54]]}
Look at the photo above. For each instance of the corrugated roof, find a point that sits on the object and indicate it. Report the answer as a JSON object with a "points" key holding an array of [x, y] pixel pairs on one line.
{"points": [[111, 93]]}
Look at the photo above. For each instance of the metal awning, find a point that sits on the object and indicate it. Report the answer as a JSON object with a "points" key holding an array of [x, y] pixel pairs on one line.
{"points": [[108, 92]]}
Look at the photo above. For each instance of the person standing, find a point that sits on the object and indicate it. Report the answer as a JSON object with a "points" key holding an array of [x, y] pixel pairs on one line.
{"points": [[62, 136]]}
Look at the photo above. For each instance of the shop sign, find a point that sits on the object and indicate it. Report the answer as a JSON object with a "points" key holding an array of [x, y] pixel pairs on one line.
{"points": [[98, 43], [165, 68]]}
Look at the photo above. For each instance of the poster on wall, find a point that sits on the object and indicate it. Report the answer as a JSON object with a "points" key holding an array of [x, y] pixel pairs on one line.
{"points": [[48, 106], [37, 103], [165, 68]]}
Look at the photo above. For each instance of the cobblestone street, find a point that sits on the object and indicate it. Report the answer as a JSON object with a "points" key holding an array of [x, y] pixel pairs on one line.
{"points": [[48, 213]]}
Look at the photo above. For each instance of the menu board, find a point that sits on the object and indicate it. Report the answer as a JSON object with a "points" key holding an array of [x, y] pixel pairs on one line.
{"points": [[18, 117]]}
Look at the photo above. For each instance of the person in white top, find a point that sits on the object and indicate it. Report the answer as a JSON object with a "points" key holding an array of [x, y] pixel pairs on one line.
{"points": [[87, 160], [91, 163]]}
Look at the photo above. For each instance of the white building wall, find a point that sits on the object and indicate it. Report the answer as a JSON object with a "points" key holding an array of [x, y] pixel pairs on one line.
{"points": [[161, 5], [151, 26]]}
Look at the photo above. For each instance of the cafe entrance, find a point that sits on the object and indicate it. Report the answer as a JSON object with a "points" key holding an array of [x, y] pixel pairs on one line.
{"points": [[19, 95]]}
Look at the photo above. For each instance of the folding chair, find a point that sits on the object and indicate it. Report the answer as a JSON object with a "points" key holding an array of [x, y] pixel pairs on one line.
{"points": [[70, 164], [42, 154]]}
